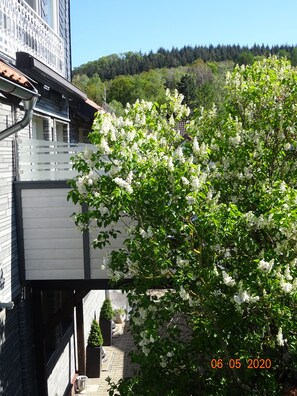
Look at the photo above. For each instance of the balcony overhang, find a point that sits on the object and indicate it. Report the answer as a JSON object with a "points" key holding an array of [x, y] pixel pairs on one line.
{"points": [[43, 74]]}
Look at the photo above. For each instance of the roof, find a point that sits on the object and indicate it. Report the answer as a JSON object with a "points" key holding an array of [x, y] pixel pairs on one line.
{"points": [[14, 75], [94, 105]]}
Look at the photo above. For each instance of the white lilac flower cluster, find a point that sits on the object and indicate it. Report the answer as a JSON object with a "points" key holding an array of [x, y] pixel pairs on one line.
{"points": [[124, 184], [140, 318], [146, 234], [87, 180], [146, 339], [180, 110], [86, 155], [227, 279], [185, 296], [280, 338], [258, 222], [243, 296], [103, 209], [106, 261], [266, 266], [286, 281], [199, 150], [181, 262], [133, 268]]}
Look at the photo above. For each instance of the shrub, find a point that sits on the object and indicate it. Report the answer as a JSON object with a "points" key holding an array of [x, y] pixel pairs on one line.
{"points": [[95, 337], [106, 312]]}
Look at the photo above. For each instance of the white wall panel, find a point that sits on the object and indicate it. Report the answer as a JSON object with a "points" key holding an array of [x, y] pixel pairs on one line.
{"points": [[53, 245]]}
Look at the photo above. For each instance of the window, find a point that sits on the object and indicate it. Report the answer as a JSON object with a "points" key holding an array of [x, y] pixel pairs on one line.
{"points": [[47, 10], [49, 13], [57, 313]]}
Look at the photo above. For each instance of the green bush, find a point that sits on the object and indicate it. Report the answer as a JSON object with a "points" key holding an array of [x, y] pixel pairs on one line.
{"points": [[95, 337], [106, 312]]}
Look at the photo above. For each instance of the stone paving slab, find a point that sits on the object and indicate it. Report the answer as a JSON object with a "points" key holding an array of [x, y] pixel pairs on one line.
{"points": [[118, 366]]}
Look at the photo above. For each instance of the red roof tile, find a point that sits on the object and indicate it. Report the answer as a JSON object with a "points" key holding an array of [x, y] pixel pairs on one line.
{"points": [[12, 74]]}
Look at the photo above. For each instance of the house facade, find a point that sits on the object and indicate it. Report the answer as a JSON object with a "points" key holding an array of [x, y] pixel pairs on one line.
{"points": [[51, 286]]}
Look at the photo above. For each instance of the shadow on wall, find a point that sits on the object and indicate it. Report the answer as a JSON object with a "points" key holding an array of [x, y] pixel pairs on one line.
{"points": [[10, 369], [3, 382]]}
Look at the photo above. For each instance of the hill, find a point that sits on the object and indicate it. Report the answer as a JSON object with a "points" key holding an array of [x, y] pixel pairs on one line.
{"points": [[131, 63], [198, 73]]}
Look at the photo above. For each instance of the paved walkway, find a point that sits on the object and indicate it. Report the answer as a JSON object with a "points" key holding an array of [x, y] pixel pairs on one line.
{"points": [[117, 364]]}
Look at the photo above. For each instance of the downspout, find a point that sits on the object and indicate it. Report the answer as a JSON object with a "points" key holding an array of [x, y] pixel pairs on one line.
{"points": [[29, 99]]}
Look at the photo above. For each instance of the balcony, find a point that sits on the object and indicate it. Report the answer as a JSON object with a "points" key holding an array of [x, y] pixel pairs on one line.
{"points": [[51, 247], [22, 29]]}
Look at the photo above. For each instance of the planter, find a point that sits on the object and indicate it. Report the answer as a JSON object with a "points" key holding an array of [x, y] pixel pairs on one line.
{"points": [[94, 362], [106, 330]]}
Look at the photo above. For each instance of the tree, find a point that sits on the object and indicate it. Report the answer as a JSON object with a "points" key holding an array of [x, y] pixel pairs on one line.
{"points": [[211, 223], [245, 58], [187, 87], [294, 57], [121, 89]]}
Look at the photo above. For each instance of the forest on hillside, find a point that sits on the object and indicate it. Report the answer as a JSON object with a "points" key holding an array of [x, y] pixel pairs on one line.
{"points": [[196, 72]]}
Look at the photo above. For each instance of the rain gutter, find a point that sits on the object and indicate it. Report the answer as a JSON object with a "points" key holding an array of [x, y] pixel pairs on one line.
{"points": [[29, 99]]}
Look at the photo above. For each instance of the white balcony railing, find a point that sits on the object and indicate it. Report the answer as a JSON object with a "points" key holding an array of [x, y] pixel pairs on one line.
{"points": [[44, 160], [22, 29]]}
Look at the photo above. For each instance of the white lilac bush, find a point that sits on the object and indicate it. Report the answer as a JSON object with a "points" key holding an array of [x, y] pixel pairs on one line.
{"points": [[212, 222]]}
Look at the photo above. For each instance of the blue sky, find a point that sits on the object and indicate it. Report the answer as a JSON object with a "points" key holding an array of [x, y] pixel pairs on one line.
{"points": [[104, 27]]}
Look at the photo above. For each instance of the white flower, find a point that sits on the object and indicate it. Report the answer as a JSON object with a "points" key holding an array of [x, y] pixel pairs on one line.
{"points": [[103, 209], [149, 232], [254, 299], [145, 350], [287, 274], [81, 185], [123, 184], [142, 232], [279, 338], [171, 120], [184, 295], [243, 296], [103, 147], [106, 260], [266, 266], [130, 177], [179, 153], [282, 187], [184, 180], [195, 183], [227, 253], [285, 286], [235, 140], [191, 200], [199, 150], [170, 164], [227, 279], [163, 362], [142, 313], [180, 262], [195, 146]]}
